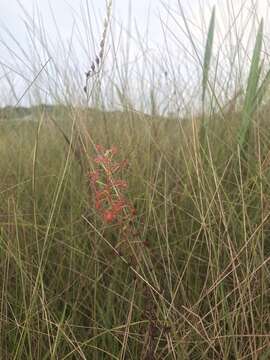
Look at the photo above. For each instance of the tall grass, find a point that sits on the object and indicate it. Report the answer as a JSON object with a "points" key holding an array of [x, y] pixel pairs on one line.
{"points": [[187, 275]]}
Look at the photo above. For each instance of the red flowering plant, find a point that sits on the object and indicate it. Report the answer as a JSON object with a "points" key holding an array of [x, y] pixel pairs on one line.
{"points": [[112, 205], [108, 190]]}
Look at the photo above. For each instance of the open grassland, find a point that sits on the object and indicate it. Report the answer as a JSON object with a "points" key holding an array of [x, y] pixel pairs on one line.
{"points": [[125, 235], [200, 289]]}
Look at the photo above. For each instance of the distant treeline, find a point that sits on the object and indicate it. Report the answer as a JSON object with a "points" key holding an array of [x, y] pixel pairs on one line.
{"points": [[61, 111], [8, 112]]}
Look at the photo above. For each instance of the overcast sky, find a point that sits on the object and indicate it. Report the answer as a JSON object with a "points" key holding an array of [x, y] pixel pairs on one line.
{"points": [[144, 12], [65, 10], [59, 17]]}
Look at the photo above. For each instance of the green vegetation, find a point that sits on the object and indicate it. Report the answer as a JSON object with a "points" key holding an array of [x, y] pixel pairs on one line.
{"points": [[186, 278]]}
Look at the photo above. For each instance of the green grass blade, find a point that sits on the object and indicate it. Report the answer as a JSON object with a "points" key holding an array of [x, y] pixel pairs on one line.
{"points": [[262, 89], [208, 54], [251, 91]]}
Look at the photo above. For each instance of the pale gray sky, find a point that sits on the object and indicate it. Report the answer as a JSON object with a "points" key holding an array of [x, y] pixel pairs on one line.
{"points": [[65, 10], [59, 17]]}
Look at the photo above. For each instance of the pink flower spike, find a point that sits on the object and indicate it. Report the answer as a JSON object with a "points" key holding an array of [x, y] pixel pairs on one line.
{"points": [[109, 216], [102, 160], [114, 150], [99, 148], [94, 175], [120, 184]]}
